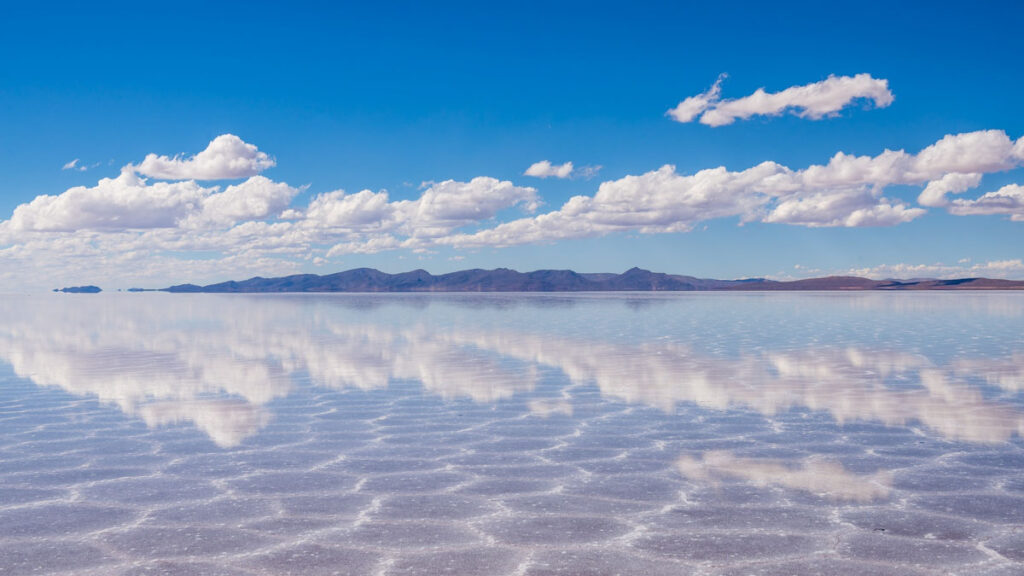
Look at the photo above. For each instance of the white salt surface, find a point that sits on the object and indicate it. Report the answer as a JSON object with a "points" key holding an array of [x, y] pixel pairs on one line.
{"points": [[512, 434]]}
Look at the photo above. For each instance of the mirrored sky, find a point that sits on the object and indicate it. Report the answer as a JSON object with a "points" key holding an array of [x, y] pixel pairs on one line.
{"points": [[630, 426]]}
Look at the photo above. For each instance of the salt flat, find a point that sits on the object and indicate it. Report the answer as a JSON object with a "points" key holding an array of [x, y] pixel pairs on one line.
{"points": [[512, 434]]}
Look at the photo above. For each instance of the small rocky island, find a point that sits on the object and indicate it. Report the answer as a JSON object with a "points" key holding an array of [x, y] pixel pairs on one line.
{"points": [[79, 289]]}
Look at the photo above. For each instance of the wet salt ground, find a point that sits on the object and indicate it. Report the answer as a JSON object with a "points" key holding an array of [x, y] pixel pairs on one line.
{"points": [[507, 451]]}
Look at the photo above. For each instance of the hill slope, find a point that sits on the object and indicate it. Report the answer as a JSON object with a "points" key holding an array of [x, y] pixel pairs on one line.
{"points": [[506, 280]]}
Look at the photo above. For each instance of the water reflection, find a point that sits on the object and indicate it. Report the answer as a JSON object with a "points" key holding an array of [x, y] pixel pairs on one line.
{"points": [[848, 383], [822, 478], [226, 421], [218, 362]]}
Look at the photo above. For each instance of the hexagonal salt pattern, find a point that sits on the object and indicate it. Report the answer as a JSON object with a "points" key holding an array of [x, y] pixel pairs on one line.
{"points": [[710, 434]]}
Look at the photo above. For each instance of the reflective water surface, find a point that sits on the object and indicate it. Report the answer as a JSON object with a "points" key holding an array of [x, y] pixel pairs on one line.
{"points": [[498, 434]]}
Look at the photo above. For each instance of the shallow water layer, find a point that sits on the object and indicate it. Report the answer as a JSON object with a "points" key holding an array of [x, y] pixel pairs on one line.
{"points": [[512, 434]]}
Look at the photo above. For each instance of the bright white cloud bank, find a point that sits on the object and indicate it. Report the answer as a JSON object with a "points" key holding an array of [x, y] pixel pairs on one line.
{"points": [[814, 101], [847, 191], [131, 202], [155, 222]]}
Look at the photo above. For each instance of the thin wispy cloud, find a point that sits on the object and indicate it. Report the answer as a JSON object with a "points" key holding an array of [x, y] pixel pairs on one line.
{"points": [[812, 101], [77, 165]]}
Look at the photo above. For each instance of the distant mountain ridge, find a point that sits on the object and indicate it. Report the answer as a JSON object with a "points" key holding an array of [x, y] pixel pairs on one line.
{"points": [[506, 280]]}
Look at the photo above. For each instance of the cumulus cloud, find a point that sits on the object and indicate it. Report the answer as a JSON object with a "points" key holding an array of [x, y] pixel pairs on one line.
{"points": [[254, 199], [226, 157], [113, 204], [813, 101], [846, 209], [146, 230], [658, 201], [450, 204], [847, 191], [131, 202], [934, 194], [442, 208], [545, 169], [1008, 200], [131, 226], [365, 210]]}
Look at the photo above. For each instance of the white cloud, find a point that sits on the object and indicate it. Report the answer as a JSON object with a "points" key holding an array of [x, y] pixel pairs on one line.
{"points": [[150, 232], [254, 199], [1007, 200], [442, 208], [226, 157], [131, 227], [131, 202], [75, 165], [365, 210], [850, 209], [371, 245], [450, 204], [545, 169], [934, 193], [847, 191], [979, 151], [964, 268], [689, 109], [113, 204], [814, 101], [658, 201]]}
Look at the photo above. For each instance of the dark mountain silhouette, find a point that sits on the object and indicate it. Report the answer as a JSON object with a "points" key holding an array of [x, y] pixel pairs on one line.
{"points": [[506, 280]]}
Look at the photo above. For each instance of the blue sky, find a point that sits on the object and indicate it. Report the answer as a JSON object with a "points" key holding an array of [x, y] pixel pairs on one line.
{"points": [[438, 111]]}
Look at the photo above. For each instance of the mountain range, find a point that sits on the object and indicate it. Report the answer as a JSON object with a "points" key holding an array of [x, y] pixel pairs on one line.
{"points": [[506, 280]]}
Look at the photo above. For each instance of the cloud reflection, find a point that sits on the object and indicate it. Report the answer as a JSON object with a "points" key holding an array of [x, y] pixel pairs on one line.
{"points": [[894, 388], [820, 477], [219, 362]]}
